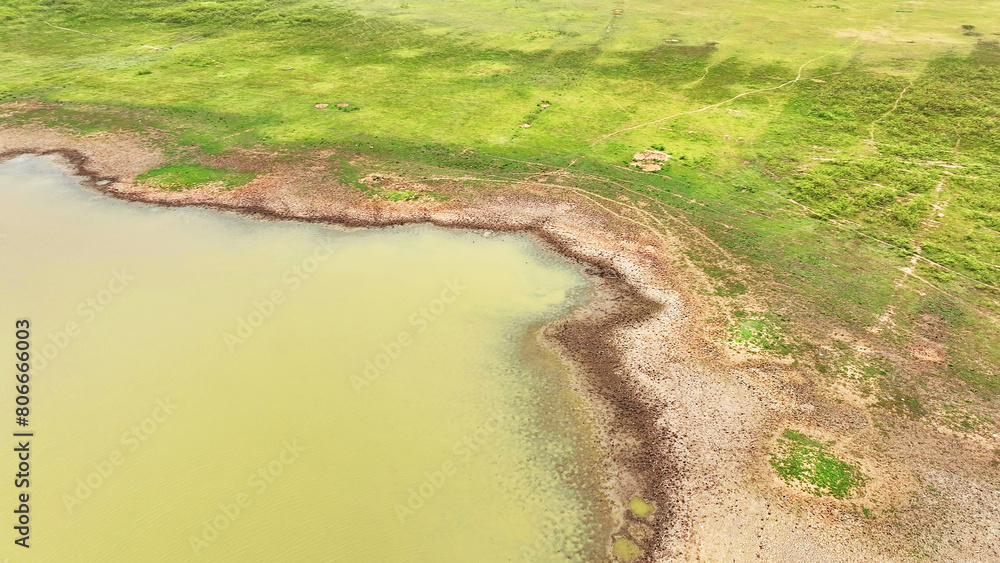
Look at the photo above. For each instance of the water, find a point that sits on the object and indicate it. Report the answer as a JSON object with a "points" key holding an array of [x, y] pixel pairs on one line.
{"points": [[207, 386]]}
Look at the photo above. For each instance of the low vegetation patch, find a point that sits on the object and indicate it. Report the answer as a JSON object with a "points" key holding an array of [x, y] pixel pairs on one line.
{"points": [[758, 332], [186, 177], [806, 463], [399, 195]]}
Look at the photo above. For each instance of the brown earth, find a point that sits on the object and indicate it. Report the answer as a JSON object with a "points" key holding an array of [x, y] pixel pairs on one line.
{"points": [[686, 421]]}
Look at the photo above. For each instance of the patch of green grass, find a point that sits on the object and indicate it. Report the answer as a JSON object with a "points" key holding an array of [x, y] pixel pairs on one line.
{"points": [[729, 285], [806, 463], [399, 195], [406, 195], [981, 379], [906, 404], [183, 177], [731, 288], [758, 331]]}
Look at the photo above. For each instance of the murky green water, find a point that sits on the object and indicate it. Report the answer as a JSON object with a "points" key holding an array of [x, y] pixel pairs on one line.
{"points": [[211, 387]]}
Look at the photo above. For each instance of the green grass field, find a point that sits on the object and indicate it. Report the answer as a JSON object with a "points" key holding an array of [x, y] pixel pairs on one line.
{"points": [[826, 144], [807, 463], [187, 177]]}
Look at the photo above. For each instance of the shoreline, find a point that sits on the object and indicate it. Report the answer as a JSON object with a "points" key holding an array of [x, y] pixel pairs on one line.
{"points": [[584, 339], [684, 421]]}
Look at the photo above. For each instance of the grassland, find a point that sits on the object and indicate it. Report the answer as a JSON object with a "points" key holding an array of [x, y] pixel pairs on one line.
{"points": [[841, 154]]}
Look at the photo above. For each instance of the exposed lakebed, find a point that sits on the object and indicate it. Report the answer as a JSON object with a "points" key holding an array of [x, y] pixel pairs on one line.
{"points": [[211, 386]]}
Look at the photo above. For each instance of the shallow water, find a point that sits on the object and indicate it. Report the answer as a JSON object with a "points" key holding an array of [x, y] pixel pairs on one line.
{"points": [[207, 386]]}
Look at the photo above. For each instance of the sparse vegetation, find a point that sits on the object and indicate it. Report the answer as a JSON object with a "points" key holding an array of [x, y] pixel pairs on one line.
{"points": [[758, 331], [399, 195]]}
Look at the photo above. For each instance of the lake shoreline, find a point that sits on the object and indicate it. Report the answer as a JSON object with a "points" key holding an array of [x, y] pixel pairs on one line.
{"points": [[674, 411], [586, 339]]}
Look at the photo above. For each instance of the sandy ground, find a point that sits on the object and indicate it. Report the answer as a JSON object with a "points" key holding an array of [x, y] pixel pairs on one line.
{"points": [[687, 423]]}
